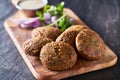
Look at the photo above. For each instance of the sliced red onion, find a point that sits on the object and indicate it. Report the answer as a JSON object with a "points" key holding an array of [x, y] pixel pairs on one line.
{"points": [[24, 26], [28, 23], [18, 21], [36, 24], [31, 24], [47, 21], [53, 18], [47, 16]]}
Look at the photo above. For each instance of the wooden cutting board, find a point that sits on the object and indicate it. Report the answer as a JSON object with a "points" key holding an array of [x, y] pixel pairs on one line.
{"points": [[19, 35]]}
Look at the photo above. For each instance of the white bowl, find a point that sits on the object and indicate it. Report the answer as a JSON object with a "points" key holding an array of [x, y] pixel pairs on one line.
{"points": [[30, 11], [34, 1]]}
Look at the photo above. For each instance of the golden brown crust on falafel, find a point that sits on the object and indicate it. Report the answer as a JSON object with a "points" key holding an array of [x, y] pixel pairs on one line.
{"points": [[89, 44], [58, 56], [46, 32], [33, 46], [69, 35]]}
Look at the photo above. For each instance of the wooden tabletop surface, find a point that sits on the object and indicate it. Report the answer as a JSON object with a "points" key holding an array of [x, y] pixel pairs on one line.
{"points": [[103, 16]]}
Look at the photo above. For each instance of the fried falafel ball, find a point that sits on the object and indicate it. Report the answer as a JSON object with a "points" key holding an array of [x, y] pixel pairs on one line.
{"points": [[69, 35], [46, 32], [90, 45], [33, 46], [58, 56]]}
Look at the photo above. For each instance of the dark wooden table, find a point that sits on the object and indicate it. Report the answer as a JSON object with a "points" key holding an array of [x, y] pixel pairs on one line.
{"points": [[103, 16]]}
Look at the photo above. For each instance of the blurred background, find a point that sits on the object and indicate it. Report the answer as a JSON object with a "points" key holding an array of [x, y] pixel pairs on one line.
{"points": [[103, 16]]}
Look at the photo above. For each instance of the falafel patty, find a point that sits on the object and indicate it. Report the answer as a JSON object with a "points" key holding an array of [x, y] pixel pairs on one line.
{"points": [[90, 45], [69, 35], [58, 56], [33, 46], [46, 32], [77, 28]]}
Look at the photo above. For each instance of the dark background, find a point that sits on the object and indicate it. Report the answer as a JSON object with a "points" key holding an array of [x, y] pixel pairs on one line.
{"points": [[103, 16]]}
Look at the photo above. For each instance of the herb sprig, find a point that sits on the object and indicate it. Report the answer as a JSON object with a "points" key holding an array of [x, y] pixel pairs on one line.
{"points": [[55, 16]]}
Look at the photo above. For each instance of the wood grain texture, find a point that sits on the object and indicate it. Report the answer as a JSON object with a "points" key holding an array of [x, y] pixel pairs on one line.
{"points": [[19, 35]]}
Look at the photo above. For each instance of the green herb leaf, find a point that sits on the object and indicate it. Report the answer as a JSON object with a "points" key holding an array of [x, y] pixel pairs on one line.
{"points": [[64, 27], [40, 15], [60, 8], [61, 22], [52, 13], [46, 8], [64, 23]]}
